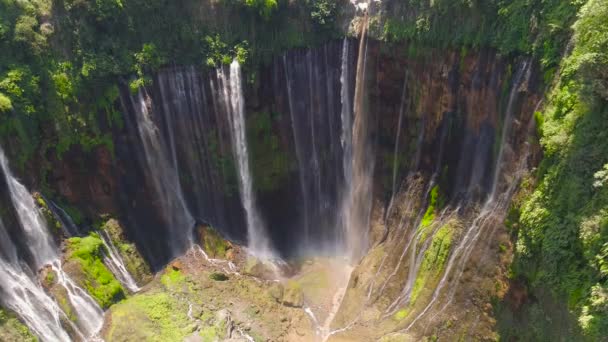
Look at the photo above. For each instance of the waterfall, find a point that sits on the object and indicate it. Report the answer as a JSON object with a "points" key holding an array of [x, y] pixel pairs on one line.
{"points": [[232, 96], [358, 204], [89, 314], [507, 123], [111, 258], [39, 240], [23, 295], [115, 264], [493, 211], [163, 171], [346, 138], [396, 149], [43, 250], [302, 173], [67, 224]]}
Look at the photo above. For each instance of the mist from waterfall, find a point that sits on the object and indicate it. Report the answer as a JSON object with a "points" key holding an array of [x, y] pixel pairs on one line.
{"points": [[37, 309], [230, 85]]}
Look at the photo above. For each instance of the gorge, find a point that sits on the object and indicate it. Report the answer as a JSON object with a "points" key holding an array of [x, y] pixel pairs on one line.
{"points": [[303, 171]]}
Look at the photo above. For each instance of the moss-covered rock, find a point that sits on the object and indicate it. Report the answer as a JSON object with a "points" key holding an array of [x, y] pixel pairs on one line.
{"points": [[84, 262], [434, 261], [51, 220], [12, 330], [213, 243], [293, 295], [134, 262], [257, 268], [218, 328]]}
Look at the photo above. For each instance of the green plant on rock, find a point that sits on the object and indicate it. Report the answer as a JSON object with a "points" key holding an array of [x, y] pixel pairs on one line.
{"points": [[87, 252]]}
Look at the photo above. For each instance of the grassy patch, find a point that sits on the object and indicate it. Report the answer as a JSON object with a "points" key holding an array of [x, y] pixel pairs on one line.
{"points": [[157, 317], [173, 279]]}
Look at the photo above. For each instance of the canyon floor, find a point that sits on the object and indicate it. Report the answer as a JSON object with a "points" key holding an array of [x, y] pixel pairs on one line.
{"points": [[198, 298]]}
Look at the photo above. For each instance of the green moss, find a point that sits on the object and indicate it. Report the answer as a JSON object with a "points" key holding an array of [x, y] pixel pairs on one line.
{"points": [[433, 261], [436, 201], [156, 317], [173, 279], [213, 243], [97, 280], [401, 314], [12, 330]]}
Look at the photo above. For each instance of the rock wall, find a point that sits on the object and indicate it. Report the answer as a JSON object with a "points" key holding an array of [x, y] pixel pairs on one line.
{"points": [[435, 112]]}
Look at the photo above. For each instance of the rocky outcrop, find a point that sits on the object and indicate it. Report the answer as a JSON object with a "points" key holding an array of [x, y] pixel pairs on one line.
{"points": [[132, 258]]}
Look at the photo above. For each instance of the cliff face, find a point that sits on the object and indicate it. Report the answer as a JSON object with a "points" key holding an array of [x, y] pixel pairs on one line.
{"points": [[436, 114]]}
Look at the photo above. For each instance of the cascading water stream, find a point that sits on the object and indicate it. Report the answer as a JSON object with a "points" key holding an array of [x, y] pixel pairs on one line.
{"points": [[232, 95], [39, 240], [163, 170], [346, 137], [299, 153], [24, 295], [357, 206], [115, 264], [492, 211], [89, 314], [43, 250], [396, 149], [111, 259]]}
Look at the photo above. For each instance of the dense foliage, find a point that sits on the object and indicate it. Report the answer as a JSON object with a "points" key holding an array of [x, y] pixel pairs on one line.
{"points": [[535, 27], [563, 225], [62, 60]]}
